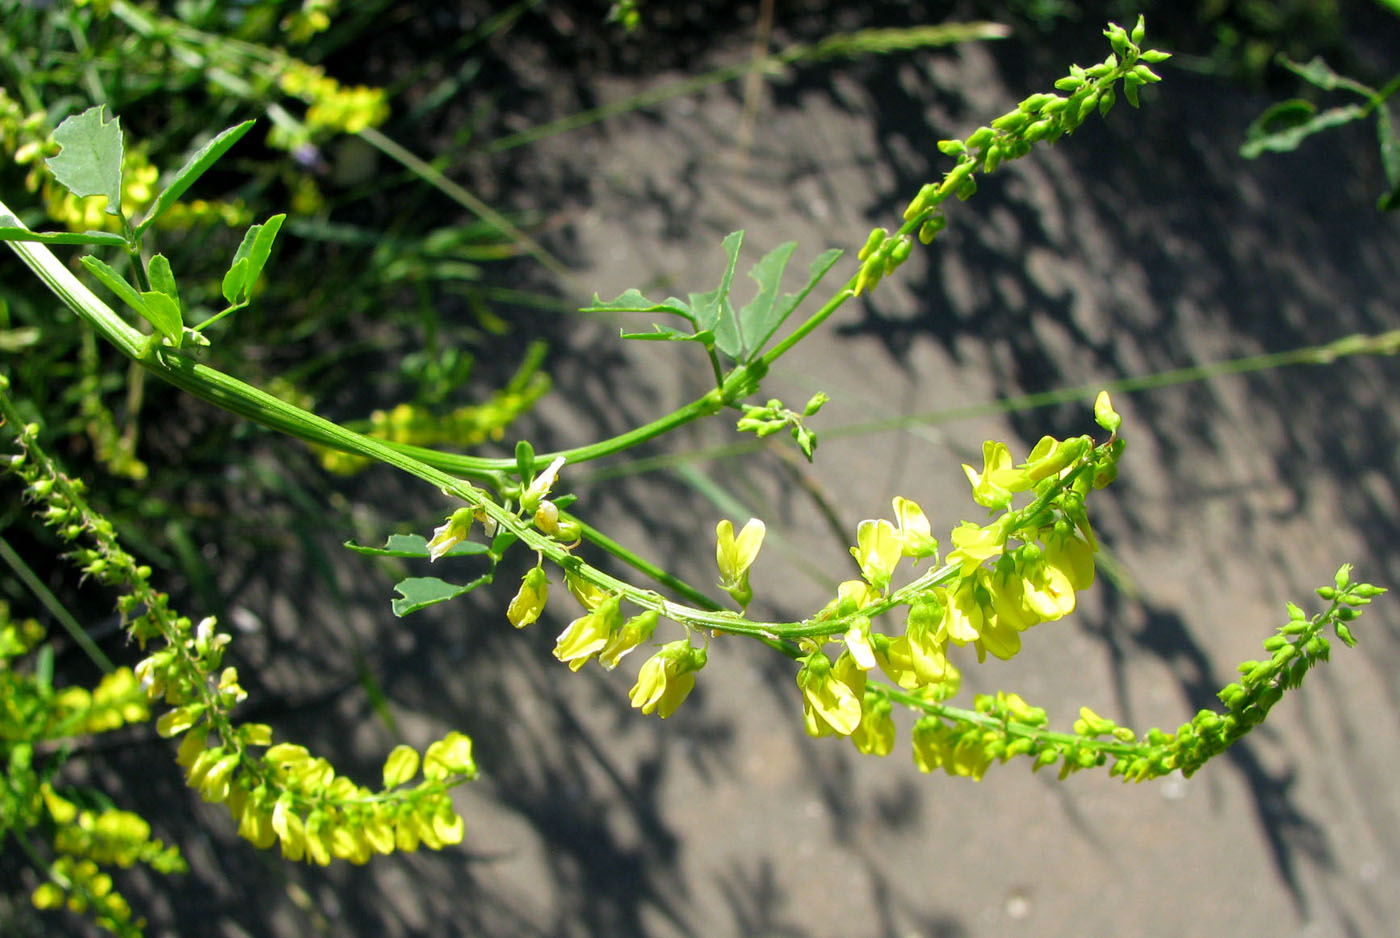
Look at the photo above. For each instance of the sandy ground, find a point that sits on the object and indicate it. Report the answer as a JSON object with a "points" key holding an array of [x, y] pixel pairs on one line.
{"points": [[1142, 244]]}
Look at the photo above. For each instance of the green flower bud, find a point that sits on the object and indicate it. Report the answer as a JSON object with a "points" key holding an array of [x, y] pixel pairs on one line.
{"points": [[872, 243]]}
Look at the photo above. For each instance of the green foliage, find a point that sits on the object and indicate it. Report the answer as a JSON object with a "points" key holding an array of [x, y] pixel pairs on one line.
{"points": [[89, 161], [1285, 125]]}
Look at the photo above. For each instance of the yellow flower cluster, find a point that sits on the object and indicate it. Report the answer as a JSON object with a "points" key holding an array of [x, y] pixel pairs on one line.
{"points": [[1000, 579], [287, 795], [331, 106], [602, 632], [85, 841], [463, 427]]}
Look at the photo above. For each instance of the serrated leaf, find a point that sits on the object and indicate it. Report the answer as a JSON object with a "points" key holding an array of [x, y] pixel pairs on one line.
{"points": [[115, 282], [734, 336], [762, 330], [415, 545], [197, 165], [104, 238], [164, 313], [1288, 138], [419, 592], [90, 162], [713, 307], [634, 301]]}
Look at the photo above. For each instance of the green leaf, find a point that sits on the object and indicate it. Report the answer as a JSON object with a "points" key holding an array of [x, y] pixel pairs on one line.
{"points": [[1319, 73], [248, 260], [197, 165], [668, 334], [116, 283], [162, 279], [1390, 157], [761, 329], [90, 162], [105, 238], [235, 280], [261, 249], [164, 313], [713, 307], [733, 335], [415, 545], [419, 592], [634, 301], [1261, 137]]}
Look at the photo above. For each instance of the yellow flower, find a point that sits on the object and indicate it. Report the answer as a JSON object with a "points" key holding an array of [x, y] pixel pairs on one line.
{"points": [[450, 533], [857, 639], [895, 658], [633, 632], [994, 486], [1009, 597], [831, 693], [875, 735], [667, 678], [937, 745], [530, 499], [962, 613], [1072, 555], [1048, 590], [915, 534], [851, 596], [735, 555], [927, 641], [1051, 456], [588, 634], [975, 544], [529, 601], [878, 549]]}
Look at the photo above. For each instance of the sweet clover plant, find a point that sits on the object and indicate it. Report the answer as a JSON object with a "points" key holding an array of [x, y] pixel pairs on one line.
{"points": [[926, 605]]}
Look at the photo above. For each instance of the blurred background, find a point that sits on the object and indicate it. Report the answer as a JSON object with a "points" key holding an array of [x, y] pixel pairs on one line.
{"points": [[473, 175]]}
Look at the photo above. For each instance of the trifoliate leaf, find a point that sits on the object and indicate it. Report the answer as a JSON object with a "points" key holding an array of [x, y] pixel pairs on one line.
{"points": [[249, 259], [90, 162]]}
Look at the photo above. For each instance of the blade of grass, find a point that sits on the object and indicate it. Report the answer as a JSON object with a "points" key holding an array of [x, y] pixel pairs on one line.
{"points": [[55, 608]]}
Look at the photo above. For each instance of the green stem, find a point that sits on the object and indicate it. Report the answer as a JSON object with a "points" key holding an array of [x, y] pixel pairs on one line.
{"points": [[244, 400], [49, 600]]}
